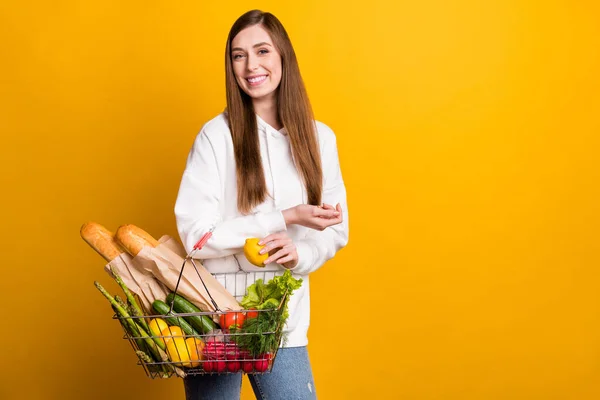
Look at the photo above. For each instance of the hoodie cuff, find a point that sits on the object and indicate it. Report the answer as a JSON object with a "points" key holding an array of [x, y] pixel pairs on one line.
{"points": [[274, 222], [306, 258]]}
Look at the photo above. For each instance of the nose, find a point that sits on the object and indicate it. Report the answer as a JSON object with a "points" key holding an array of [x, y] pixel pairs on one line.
{"points": [[252, 62]]}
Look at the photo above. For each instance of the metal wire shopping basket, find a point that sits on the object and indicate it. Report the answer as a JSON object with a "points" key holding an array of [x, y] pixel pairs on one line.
{"points": [[181, 351]]}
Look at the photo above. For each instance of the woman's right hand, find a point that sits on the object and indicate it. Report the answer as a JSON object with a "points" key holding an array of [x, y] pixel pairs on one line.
{"points": [[314, 217]]}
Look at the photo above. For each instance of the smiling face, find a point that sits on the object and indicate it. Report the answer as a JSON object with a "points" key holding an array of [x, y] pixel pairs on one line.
{"points": [[256, 64]]}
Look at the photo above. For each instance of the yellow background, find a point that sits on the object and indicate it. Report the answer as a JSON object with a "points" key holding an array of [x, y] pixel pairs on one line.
{"points": [[468, 138]]}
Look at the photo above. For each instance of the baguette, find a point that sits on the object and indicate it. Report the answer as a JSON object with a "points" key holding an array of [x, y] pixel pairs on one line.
{"points": [[133, 239], [101, 240]]}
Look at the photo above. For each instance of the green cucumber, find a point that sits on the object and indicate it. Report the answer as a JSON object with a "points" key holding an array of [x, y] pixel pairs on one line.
{"points": [[202, 323], [173, 319]]}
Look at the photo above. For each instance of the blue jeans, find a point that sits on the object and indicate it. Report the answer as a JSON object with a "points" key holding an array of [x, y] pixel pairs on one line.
{"points": [[290, 379]]}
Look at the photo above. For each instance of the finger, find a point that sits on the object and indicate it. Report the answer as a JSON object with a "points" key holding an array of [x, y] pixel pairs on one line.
{"points": [[272, 236], [282, 252], [331, 217], [337, 211], [288, 258], [327, 222], [320, 212], [275, 250], [275, 244]]}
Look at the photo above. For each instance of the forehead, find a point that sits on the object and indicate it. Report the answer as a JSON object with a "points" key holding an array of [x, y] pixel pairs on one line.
{"points": [[250, 36]]}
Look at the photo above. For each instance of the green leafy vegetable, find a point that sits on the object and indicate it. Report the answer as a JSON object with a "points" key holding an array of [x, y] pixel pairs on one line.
{"points": [[262, 297], [261, 334]]}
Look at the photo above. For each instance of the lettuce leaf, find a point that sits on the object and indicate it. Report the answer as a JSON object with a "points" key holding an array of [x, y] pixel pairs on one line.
{"points": [[262, 296], [254, 295]]}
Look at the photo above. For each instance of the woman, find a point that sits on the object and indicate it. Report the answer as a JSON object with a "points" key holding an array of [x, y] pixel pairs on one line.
{"points": [[264, 168]]}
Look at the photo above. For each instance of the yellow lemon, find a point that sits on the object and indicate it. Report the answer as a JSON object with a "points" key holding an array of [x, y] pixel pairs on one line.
{"points": [[156, 326], [196, 351], [251, 251], [172, 332], [177, 350]]}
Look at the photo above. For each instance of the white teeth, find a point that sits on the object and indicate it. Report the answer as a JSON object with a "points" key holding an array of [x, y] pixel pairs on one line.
{"points": [[257, 79]]}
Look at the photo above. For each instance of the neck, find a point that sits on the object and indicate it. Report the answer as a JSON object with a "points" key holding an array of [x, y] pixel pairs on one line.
{"points": [[267, 110]]}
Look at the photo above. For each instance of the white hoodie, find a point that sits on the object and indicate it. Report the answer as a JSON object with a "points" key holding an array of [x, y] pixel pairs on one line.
{"points": [[208, 197]]}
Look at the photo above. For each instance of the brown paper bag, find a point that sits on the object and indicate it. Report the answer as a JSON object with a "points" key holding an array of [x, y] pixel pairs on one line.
{"points": [[173, 245], [165, 261], [138, 280]]}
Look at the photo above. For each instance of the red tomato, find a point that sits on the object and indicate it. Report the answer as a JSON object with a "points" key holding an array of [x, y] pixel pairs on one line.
{"points": [[230, 319], [252, 314]]}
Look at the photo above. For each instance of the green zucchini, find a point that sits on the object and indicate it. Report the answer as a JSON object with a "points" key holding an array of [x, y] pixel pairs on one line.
{"points": [[173, 319], [202, 323]]}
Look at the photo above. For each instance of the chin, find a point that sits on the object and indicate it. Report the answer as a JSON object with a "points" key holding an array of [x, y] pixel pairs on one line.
{"points": [[260, 94]]}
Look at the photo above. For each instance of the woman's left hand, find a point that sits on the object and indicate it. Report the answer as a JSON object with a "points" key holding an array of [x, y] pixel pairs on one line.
{"points": [[281, 248]]}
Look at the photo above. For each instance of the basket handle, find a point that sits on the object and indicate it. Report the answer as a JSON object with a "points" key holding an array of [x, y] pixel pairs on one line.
{"points": [[200, 244], [189, 257]]}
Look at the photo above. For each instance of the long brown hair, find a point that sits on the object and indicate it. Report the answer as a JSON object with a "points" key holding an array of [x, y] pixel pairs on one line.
{"points": [[294, 111]]}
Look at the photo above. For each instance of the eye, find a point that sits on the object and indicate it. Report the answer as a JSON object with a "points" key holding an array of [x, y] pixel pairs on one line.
{"points": [[263, 51], [237, 56]]}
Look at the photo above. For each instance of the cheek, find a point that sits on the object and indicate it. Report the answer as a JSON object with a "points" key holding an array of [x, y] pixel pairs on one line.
{"points": [[238, 72], [279, 70], [276, 71], [240, 81], [273, 64]]}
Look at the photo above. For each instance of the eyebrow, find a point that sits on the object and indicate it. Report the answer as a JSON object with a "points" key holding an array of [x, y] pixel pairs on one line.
{"points": [[255, 46]]}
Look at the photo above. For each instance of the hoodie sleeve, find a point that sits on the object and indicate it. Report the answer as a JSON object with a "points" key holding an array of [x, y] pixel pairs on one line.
{"points": [[319, 246], [198, 208]]}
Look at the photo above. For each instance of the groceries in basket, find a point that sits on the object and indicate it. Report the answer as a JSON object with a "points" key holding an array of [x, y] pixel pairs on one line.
{"points": [[179, 318]]}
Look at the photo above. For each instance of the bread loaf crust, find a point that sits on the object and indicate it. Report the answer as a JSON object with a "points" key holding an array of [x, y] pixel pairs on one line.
{"points": [[101, 240], [133, 239]]}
